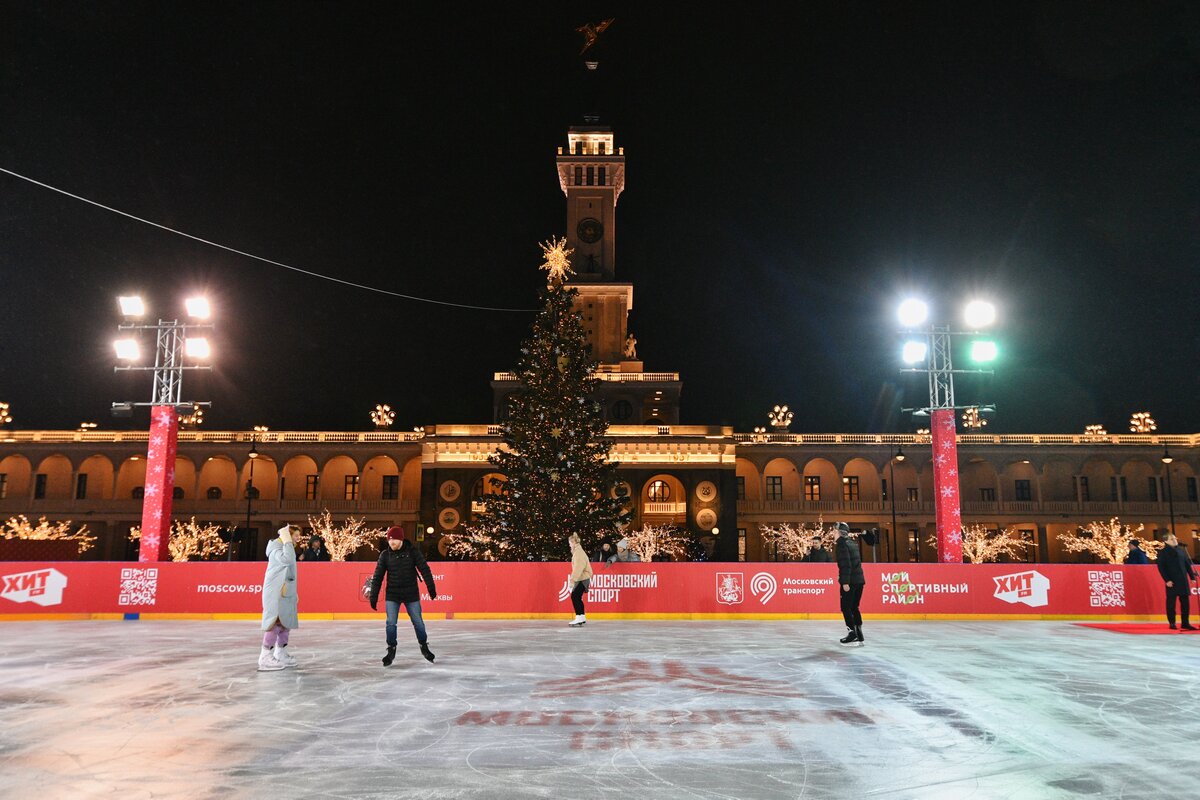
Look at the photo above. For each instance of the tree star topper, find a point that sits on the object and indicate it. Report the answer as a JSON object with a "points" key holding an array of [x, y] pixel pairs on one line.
{"points": [[557, 261]]}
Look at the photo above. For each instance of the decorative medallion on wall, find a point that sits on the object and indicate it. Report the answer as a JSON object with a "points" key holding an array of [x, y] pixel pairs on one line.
{"points": [[450, 491], [448, 518], [622, 489], [706, 518], [706, 491]]}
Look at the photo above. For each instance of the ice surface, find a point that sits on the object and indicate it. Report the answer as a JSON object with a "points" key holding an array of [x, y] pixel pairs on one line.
{"points": [[632, 709]]}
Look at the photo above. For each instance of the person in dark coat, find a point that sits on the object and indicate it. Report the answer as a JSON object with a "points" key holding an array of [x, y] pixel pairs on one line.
{"points": [[604, 552], [818, 554], [1177, 572], [401, 562], [315, 551], [1136, 554], [850, 584]]}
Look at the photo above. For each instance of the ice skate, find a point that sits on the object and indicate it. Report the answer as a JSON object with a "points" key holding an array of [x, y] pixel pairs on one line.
{"points": [[850, 639], [425, 651], [283, 656], [580, 619], [390, 657], [267, 661], [858, 634]]}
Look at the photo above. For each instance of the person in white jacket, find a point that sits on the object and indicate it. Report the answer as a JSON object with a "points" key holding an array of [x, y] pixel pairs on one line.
{"points": [[581, 575], [279, 601]]}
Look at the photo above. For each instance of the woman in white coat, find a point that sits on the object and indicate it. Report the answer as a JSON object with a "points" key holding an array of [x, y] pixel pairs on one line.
{"points": [[280, 615]]}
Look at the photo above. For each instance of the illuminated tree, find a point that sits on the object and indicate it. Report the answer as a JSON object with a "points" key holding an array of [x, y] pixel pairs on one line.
{"points": [[1109, 541], [19, 527], [555, 454], [654, 539], [981, 545], [476, 543], [191, 540], [342, 541], [795, 542]]}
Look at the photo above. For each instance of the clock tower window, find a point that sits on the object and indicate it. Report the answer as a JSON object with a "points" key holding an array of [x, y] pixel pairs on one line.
{"points": [[579, 176], [591, 173], [601, 173]]}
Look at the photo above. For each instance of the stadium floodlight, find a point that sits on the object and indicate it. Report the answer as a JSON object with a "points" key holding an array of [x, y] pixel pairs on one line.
{"points": [[127, 349], [983, 350], [197, 347], [912, 312], [914, 352], [197, 307], [132, 306], [979, 314]]}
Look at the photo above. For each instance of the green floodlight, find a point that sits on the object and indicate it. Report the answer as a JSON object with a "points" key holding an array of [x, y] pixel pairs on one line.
{"points": [[983, 350]]}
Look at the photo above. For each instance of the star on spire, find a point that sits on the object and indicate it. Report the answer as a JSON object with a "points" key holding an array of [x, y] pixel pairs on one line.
{"points": [[591, 32]]}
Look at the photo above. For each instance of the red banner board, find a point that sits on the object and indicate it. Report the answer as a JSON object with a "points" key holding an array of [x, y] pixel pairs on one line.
{"points": [[523, 589]]}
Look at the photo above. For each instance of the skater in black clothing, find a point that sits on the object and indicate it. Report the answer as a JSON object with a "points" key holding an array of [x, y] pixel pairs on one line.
{"points": [[1177, 572], [850, 584], [401, 562]]}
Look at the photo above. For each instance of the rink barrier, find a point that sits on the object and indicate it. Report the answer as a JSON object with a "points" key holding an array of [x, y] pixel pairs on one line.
{"points": [[662, 591]]}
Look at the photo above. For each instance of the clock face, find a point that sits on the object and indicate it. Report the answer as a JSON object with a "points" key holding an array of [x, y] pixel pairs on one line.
{"points": [[589, 230]]}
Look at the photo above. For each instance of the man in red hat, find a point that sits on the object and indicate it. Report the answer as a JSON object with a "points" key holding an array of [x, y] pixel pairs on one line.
{"points": [[401, 562]]}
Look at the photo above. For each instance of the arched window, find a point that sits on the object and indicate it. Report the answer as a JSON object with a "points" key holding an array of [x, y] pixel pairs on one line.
{"points": [[659, 492]]}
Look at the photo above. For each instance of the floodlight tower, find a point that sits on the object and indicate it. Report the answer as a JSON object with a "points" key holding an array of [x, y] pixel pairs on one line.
{"points": [[176, 345], [932, 346]]}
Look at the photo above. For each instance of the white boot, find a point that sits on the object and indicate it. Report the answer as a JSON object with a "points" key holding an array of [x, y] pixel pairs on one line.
{"points": [[579, 620], [283, 656], [267, 661]]}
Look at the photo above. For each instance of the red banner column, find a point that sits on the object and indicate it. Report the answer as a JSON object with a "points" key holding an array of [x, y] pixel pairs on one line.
{"points": [[948, 511], [160, 485]]}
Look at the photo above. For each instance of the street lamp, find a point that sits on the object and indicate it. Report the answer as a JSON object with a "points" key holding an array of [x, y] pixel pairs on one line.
{"points": [[931, 345], [177, 344], [896, 454], [1167, 459], [253, 454]]}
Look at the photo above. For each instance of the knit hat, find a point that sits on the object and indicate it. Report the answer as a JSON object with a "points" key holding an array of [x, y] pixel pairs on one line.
{"points": [[396, 532], [623, 544]]}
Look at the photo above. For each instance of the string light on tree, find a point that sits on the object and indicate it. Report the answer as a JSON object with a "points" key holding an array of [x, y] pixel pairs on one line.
{"points": [[383, 416], [981, 545], [653, 540], [342, 541], [1109, 541], [795, 542], [1142, 422], [780, 418], [191, 540], [19, 527]]}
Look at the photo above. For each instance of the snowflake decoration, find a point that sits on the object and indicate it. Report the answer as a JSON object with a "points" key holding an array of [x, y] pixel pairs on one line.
{"points": [[557, 262], [947, 491]]}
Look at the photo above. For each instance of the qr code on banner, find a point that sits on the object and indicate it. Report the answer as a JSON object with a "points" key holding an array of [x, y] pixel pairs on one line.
{"points": [[1107, 588], [139, 587]]}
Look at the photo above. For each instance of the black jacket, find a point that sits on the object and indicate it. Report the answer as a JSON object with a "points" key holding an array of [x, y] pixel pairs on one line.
{"points": [[401, 567], [819, 556], [311, 554], [1175, 566], [849, 562]]}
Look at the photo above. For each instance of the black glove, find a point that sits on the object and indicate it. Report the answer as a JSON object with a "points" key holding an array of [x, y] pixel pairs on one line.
{"points": [[374, 602], [432, 594]]}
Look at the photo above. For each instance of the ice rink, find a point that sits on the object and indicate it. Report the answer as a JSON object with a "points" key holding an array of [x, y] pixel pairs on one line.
{"points": [[631, 709]]}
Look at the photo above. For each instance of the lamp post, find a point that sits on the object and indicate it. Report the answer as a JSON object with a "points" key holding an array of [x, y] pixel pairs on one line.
{"points": [[1167, 459], [253, 454], [896, 454], [932, 345], [176, 344]]}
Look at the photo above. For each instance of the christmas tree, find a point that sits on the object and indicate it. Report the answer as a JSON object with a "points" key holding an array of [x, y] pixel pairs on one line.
{"points": [[555, 455]]}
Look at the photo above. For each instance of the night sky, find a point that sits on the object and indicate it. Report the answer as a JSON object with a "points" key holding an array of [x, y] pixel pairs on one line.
{"points": [[793, 171]]}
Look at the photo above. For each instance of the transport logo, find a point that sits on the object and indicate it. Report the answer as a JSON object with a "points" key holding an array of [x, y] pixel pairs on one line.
{"points": [[1031, 588], [43, 587], [763, 586]]}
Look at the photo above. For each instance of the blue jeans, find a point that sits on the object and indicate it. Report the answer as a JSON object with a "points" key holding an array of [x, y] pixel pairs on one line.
{"points": [[414, 614]]}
